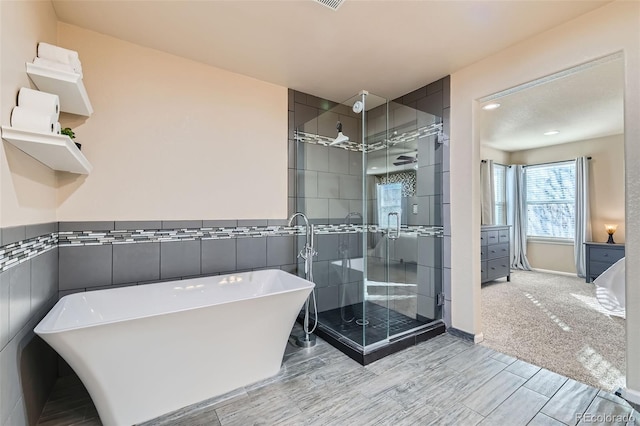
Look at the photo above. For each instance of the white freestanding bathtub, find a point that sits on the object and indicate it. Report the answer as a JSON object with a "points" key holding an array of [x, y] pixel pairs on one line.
{"points": [[144, 351]]}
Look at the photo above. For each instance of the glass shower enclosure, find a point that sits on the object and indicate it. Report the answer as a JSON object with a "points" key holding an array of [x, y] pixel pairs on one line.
{"points": [[369, 179]]}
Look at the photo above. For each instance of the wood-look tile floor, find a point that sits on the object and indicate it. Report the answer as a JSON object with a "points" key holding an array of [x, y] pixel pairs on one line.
{"points": [[444, 381]]}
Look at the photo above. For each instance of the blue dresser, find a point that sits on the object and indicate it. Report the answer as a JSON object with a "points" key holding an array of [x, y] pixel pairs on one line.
{"points": [[495, 258], [600, 256]]}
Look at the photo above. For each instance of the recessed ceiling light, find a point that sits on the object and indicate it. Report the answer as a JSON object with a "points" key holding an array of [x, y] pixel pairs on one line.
{"points": [[489, 107], [551, 132], [374, 168]]}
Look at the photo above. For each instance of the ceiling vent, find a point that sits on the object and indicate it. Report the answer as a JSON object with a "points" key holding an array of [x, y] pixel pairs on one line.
{"points": [[331, 4]]}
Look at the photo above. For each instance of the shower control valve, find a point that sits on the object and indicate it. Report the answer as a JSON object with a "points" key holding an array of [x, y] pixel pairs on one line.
{"points": [[302, 254]]}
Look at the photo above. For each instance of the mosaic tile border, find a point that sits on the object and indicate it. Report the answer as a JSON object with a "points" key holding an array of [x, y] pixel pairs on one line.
{"points": [[15, 253], [85, 238], [376, 142]]}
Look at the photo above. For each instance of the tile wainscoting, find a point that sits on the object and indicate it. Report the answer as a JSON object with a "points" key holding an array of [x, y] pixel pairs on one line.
{"points": [[28, 289], [101, 255]]}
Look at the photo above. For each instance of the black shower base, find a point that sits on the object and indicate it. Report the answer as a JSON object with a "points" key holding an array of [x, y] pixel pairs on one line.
{"points": [[347, 322], [340, 329]]}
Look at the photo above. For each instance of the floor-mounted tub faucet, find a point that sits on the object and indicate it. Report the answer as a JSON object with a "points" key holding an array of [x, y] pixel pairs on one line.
{"points": [[308, 251]]}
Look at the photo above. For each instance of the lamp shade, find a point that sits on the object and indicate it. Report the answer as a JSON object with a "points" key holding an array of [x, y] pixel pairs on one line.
{"points": [[611, 229]]}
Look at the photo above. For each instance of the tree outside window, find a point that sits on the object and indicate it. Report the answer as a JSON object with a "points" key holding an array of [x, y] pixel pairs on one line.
{"points": [[550, 196]]}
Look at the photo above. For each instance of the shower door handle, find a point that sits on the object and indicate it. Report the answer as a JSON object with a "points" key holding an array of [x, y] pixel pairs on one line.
{"points": [[396, 234]]}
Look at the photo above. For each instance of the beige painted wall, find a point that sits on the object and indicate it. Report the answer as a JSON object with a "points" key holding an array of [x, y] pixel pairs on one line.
{"points": [[173, 139], [606, 181], [611, 28], [27, 188], [551, 256], [488, 153]]}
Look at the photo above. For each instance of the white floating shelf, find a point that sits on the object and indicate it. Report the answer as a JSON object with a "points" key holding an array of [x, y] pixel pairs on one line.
{"points": [[56, 151], [67, 85]]}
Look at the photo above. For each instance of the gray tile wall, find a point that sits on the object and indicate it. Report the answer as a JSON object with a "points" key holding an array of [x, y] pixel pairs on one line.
{"points": [[135, 263], [85, 266], [325, 188], [96, 266], [337, 283], [324, 182], [28, 366], [218, 256], [180, 259], [432, 279]]}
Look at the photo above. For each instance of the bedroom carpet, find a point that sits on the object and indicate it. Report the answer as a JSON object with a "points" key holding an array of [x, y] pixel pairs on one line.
{"points": [[555, 321]]}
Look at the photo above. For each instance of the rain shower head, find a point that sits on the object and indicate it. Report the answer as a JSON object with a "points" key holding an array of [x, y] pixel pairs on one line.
{"points": [[341, 138]]}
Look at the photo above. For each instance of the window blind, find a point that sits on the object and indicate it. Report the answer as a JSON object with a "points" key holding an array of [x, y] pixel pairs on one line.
{"points": [[550, 197]]}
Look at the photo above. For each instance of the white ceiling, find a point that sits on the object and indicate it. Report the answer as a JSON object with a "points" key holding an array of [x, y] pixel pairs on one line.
{"points": [[387, 47], [581, 105]]}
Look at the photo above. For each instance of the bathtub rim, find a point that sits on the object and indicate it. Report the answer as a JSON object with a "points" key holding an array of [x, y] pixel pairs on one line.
{"points": [[41, 331]]}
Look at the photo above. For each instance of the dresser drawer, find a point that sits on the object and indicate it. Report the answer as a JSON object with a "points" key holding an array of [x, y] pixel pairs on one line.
{"points": [[497, 250], [596, 268], [492, 237], [498, 268], [603, 254], [484, 270]]}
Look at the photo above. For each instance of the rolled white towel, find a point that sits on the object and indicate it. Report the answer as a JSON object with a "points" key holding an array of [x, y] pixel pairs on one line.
{"points": [[32, 120], [47, 103], [60, 54], [56, 53], [48, 63]]}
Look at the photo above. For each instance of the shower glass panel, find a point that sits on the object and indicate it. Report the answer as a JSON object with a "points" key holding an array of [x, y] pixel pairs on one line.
{"points": [[369, 179]]}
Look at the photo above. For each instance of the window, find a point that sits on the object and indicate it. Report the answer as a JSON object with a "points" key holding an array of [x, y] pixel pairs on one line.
{"points": [[550, 195], [389, 201], [500, 188]]}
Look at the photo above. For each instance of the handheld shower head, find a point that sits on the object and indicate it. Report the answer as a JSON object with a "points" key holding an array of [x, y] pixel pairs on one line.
{"points": [[341, 138]]}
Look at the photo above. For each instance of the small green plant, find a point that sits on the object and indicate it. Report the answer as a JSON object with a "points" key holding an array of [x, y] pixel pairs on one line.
{"points": [[67, 131]]}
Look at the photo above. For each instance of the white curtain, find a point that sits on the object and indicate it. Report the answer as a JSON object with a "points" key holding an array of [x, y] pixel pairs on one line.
{"points": [[583, 216], [517, 217], [487, 198]]}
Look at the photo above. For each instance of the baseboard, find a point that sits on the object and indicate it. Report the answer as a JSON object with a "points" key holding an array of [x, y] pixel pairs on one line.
{"points": [[475, 338], [549, 271]]}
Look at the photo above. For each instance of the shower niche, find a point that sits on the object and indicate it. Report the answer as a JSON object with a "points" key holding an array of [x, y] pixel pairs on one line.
{"points": [[368, 174]]}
